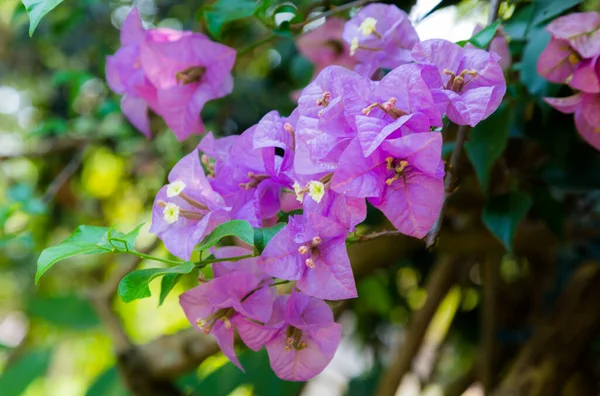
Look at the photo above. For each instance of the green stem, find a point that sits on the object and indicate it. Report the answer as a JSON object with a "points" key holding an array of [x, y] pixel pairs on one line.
{"points": [[282, 282], [147, 256], [204, 263]]}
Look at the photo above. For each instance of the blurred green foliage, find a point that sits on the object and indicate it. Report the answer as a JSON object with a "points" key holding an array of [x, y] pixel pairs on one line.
{"points": [[59, 122]]}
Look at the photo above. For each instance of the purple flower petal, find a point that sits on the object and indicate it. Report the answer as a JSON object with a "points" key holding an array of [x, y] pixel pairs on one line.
{"points": [[557, 62], [412, 203], [567, 104], [581, 30], [280, 257], [331, 278], [357, 176]]}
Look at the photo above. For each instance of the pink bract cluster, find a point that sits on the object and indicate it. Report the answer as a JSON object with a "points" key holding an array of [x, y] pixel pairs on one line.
{"points": [[571, 58], [173, 73], [350, 141]]}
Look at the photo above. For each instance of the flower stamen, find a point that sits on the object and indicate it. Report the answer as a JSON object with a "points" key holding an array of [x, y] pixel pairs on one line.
{"points": [[192, 74], [367, 27], [254, 182]]}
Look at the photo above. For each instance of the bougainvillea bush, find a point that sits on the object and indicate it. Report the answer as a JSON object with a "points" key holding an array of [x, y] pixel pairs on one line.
{"points": [[396, 153]]}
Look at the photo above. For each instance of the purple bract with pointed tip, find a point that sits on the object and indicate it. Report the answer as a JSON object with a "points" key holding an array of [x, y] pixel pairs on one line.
{"points": [[472, 79], [403, 177]]}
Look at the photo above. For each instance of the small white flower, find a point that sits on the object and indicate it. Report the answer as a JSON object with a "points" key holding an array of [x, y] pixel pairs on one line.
{"points": [[367, 26], [316, 190], [354, 46], [175, 188], [299, 191], [171, 213]]}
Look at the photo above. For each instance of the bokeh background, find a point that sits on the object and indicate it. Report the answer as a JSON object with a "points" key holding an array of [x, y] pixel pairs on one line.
{"points": [[472, 315]]}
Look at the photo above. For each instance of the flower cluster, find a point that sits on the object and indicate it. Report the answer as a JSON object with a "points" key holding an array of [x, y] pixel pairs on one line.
{"points": [[571, 58], [173, 73], [350, 140]]}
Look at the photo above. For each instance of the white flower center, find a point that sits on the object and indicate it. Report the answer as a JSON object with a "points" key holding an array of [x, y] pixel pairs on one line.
{"points": [[299, 191], [354, 46], [171, 213], [175, 188], [367, 27], [316, 190]]}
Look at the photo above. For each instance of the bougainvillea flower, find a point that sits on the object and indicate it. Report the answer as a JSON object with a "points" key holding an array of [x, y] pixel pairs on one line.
{"points": [[125, 76], [324, 46], [498, 45], [188, 70], [403, 178], [306, 342], [378, 109], [322, 131], [187, 209], [587, 114], [217, 306], [472, 78], [380, 36], [311, 249], [581, 30], [558, 61], [249, 173], [301, 336]]}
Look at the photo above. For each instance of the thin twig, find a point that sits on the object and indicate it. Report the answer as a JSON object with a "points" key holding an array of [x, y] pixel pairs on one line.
{"points": [[439, 283], [461, 136], [332, 11], [449, 184], [373, 235], [63, 176]]}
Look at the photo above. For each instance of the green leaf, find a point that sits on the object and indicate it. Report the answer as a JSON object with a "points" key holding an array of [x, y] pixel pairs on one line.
{"points": [[548, 9], [135, 284], [517, 26], [240, 229], [262, 236], [487, 142], [108, 384], [125, 242], [225, 11], [167, 283], [37, 9], [485, 36], [17, 376], [535, 84], [502, 215], [84, 240], [66, 311]]}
